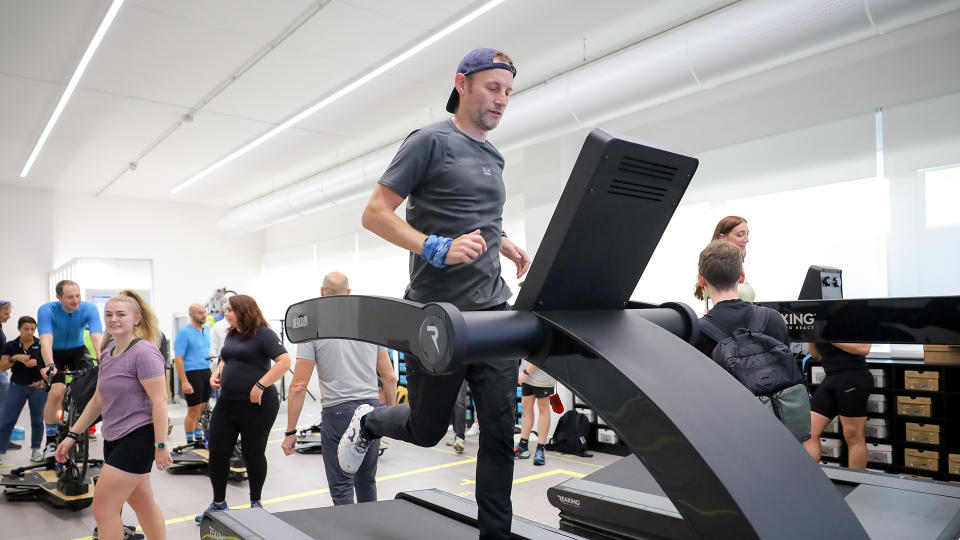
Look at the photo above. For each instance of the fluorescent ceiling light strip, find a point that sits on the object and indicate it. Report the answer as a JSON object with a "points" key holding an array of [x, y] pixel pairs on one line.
{"points": [[339, 94], [71, 86]]}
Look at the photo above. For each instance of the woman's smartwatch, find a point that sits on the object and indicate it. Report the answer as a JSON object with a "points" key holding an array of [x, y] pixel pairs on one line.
{"points": [[160, 445]]}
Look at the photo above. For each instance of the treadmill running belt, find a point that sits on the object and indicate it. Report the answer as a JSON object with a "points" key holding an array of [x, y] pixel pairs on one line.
{"points": [[389, 520]]}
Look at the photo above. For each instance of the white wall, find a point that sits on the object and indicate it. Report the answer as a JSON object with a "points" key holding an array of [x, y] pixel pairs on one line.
{"points": [[791, 149], [44, 230]]}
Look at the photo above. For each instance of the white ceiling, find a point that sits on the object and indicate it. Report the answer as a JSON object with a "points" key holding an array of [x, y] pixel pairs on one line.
{"points": [[162, 58]]}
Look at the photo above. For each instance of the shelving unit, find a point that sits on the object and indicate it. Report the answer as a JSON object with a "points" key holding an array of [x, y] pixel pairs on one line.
{"points": [[944, 413]]}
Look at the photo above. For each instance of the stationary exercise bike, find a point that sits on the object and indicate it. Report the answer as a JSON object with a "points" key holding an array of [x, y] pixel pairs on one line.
{"points": [[68, 485], [193, 457]]}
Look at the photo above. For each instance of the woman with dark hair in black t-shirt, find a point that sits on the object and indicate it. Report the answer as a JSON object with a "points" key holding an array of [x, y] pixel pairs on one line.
{"points": [[844, 392], [248, 402]]}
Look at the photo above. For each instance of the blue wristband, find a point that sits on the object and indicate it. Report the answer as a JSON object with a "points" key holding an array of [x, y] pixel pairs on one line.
{"points": [[435, 250]]}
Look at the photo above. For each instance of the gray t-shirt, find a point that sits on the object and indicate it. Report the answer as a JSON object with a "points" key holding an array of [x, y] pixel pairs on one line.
{"points": [[453, 186], [347, 369], [537, 377]]}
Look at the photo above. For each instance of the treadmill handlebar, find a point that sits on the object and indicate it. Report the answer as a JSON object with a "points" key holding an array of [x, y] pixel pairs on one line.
{"points": [[441, 336]]}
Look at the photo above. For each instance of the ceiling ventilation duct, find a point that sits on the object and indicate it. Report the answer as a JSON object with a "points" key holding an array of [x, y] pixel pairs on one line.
{"points": [[744, 39]]}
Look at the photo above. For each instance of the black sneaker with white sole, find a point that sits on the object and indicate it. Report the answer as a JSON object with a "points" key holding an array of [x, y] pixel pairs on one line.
{"points": [[353, 446]]}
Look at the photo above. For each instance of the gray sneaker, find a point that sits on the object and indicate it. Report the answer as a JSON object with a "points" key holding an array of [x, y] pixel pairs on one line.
{"points": [[458, 445], [36, 456], [353, 447]]}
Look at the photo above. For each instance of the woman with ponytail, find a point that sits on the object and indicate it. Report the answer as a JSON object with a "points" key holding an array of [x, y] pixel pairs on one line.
{"points": [[132, 399], [733, 229]]}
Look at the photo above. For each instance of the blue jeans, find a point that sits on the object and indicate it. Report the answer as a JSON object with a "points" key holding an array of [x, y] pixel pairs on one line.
{"points": [[18, 395], [333, 422]]}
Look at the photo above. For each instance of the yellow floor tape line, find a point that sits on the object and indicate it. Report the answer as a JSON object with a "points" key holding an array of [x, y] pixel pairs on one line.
{"points": [[520, 480], [320, 491]]}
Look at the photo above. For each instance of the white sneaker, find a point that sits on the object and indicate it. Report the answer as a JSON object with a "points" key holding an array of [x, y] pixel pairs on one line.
{"points": [[458, 445], [353, 447], [474, 430], [36, 456], [50, 452]]}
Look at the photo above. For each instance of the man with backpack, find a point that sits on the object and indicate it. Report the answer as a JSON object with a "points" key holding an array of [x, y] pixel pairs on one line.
{"points": [[749, 341]]}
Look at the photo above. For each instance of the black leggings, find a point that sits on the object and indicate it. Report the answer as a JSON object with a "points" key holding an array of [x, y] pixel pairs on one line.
{"points": [[252, 423]]}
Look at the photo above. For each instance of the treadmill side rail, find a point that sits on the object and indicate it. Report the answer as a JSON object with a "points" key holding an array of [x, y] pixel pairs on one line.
{"points": [[248, 524]]}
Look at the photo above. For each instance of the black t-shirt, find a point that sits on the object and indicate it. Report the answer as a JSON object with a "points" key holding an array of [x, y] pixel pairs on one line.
{"points": [[246, 359], [453, 185], [836, 359], [732, 314], [19, 373]]}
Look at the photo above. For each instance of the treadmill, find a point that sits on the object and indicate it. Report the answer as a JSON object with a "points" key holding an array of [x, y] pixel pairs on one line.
{"points": [[574, 319], [623, 501]]}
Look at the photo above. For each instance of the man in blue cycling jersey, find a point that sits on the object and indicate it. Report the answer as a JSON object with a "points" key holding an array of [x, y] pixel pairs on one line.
{"points": [[61, 325]]}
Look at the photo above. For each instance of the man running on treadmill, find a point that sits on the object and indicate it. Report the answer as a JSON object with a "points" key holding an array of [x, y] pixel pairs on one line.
{"points": [[452, 180], [61, 325]]}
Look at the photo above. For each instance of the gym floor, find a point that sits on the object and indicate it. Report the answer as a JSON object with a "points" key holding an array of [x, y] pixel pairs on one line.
{"points": [[296, 482]]}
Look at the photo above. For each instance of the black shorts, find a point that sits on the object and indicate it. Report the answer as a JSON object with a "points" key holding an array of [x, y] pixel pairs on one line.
{"points": [[132, 453], [199, 379], [70, 360], [843, 393], [539, 391]]}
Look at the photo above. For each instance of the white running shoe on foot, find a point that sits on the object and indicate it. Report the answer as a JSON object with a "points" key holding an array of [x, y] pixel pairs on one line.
{"points": [[474, 430], [50, 452], [36, 455], [458, 445], [353, 447]]}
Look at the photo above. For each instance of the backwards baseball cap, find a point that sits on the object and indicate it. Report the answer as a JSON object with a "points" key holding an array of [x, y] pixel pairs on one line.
{"points": [[477, 60]]}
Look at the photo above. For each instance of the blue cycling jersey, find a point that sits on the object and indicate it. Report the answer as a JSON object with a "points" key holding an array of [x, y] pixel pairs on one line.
{"points": [[67, 328], [194, 346]]}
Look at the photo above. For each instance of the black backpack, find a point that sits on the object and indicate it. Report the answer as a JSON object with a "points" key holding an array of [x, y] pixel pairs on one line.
{"points": [[570, 437], [761, 363]]}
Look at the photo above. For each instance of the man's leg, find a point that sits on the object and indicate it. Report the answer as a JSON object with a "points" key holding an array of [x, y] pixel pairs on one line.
{"points": [[459, 419], [494, 391], [51, 417], [333, 422], [424, 419], [522, 450], [543, 423], [190, 420], [365, 481]]}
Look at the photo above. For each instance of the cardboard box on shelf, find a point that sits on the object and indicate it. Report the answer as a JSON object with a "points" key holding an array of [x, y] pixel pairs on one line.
{"points": [[607, 436], [954, 463], [928, 460], [919, 406], [876, 428], [923, 433], [879, 378], [921, 380], [877, 403], [830, 447], [880, 453], [941, 354]]}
